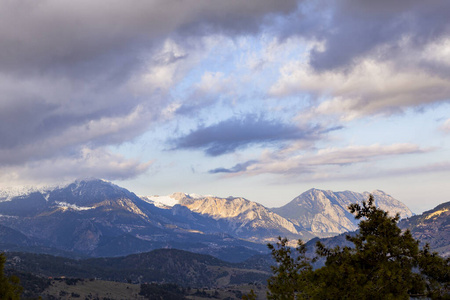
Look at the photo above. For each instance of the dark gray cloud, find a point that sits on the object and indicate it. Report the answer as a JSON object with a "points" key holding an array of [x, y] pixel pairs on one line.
{"points": [[83, 33], [352, 29], [241, 167], [373, 57], [70, 70], [234, 133], [40, 127]]}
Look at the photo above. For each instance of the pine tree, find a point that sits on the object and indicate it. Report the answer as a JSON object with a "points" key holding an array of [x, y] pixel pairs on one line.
{"points": [[384, 263], [291, 273], [436, 272], [250, 296], [9, 287]]}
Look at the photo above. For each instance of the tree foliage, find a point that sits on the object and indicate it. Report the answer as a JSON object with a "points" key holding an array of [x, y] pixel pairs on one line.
{"points": [[384, 263], [290, 275], [250, 296], [10, 288]]}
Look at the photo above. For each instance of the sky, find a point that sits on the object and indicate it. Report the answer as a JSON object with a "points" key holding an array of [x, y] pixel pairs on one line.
{"points": [[262, 99]]}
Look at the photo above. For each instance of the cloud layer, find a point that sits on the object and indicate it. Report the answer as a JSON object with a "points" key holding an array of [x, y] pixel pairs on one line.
{"points": [[318, 165], [79, 78], [78, 75], [368, 58], [352, 30]]}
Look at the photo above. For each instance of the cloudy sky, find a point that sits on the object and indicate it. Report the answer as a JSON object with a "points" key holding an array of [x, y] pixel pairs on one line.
{"points": [[259, 98]]}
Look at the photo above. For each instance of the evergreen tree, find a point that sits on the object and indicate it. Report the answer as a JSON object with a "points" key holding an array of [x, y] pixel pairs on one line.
{"points": [[250, 296], [436, 272], [291, 273], [9, 287], [384, 263]]}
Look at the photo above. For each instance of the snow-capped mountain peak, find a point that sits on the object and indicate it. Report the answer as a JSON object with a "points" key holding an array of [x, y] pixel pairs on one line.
{"points": [[161, 201], [169, 201], [7, 193]]}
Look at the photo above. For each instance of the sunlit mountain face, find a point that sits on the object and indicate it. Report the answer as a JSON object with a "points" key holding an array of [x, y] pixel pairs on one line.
{"points": [[432, 227]]}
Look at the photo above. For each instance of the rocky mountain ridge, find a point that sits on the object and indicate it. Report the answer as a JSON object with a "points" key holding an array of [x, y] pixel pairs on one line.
{"points": [[324, 213], [238, 216], [98, 218], [314, 213]]}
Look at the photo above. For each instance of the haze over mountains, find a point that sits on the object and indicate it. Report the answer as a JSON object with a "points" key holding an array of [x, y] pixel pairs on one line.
{"points": [[98, 218]]}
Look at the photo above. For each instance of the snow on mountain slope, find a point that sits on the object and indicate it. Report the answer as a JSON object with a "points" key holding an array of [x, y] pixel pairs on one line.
{"points": [[160, 201], [7, 193], [169, 201], [72, 206]]}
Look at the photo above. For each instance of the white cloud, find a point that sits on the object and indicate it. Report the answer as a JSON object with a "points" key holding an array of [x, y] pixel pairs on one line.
{"points": [[214, 82], [328, 162], [164, 68], [371, 87], [445, 127]]}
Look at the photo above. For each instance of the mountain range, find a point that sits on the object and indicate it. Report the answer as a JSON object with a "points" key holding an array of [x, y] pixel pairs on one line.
{"points": [[97, 218], [179, 267], [314, 213]]}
